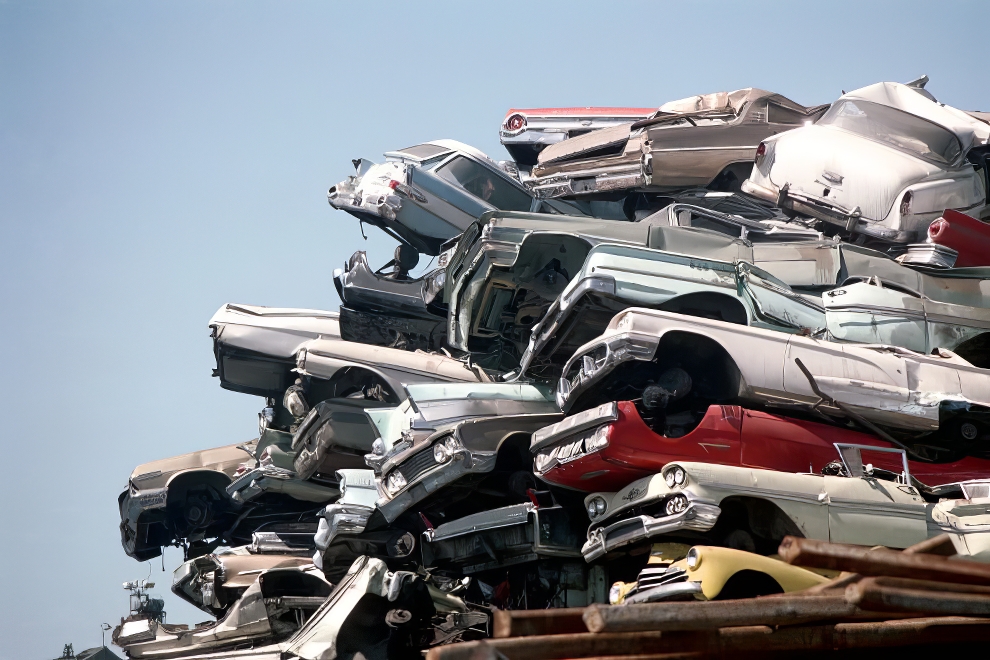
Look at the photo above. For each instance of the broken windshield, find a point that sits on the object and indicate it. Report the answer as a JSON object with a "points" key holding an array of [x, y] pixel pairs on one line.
{"points": [[895, 128]]}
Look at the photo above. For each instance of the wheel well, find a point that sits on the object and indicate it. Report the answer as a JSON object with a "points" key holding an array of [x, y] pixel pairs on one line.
{"points": [[513, 453], [975, 350], [731, 177], [708, 305], [715, 378], [763, 519], [749, 584]]}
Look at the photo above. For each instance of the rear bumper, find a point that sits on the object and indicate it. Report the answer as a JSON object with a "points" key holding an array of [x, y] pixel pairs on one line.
{"points": [[848, 219]]}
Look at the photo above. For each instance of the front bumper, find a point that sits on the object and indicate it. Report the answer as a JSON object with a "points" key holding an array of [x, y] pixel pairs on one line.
{"points": [[698, 517], [133, 505], [339, 519], [463, 462]]}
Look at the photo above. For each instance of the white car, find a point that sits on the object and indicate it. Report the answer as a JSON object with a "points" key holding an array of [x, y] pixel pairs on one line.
{"points": [[885, 161], [753, 509], [729, 363]]}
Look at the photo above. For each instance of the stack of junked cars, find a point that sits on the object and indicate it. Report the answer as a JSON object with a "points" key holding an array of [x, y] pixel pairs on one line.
{"points": [[718, 322]]}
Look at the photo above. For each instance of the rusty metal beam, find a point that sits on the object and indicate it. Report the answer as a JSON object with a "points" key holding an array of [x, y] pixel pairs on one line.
{"points": [[519, 623], [882, 561], [869, 594]]}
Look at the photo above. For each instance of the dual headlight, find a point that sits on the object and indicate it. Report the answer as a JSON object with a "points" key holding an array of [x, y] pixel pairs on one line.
{"points": [[445, 449], [596, 507], [394, 482], [675, 477]]}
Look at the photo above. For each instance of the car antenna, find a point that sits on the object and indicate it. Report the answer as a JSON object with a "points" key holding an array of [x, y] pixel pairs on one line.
{"points": [[824, 398]]}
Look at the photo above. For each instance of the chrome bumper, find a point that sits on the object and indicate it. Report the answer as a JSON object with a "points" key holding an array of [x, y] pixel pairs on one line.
{"points": [[698, 516]]}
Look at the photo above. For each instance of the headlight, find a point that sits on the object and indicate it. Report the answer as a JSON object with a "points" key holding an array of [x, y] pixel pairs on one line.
{"points": [[395, 482], [676, 504], [452, 445], [440, 453], [693, 558], [434, 285], [596, 507], [541, 461], [675, 477], [669, 478], [265, 418], [679, 476], [599, 439], [378, 447], [295, 402]]}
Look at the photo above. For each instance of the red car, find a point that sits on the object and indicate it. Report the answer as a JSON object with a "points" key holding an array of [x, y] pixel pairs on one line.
{"points": [[608, 447]]}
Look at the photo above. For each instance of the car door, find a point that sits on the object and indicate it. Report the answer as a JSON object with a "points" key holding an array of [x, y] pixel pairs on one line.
{"points": [[445, 200], [871, 313], [864, 510]]}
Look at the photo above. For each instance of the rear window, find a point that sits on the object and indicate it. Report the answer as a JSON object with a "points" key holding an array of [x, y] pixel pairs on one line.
{"points": [[423, 151], [895, 128], [485, 184]]}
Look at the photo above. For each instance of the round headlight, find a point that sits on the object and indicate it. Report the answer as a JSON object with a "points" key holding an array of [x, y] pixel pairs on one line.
{"points": [[592, 509], [452, 445], [599, 505], [440, 453], [378, 447], [679, 476], [676, 504], [295, 402], [669, 478], [395, 483], [693, 558]]}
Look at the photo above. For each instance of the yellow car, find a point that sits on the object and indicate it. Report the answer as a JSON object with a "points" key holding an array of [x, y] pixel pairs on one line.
{"points": [[711, 573]]}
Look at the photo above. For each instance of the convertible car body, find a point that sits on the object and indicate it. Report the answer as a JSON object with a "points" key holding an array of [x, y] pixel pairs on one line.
{"points": [[452, 437], [614, 444], [707, 140], [754, 509], [884, 161], [726, 363], [430, 192]]}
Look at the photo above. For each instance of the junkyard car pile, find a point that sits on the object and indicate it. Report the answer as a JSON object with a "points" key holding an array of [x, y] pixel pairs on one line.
{"points": [[659, 334]]}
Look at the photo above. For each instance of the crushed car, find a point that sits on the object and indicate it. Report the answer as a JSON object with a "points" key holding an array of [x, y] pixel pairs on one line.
{"points": [[883, 163], [753, 509], [525, 132], [429, 193], [616, 443], [391, 308], [507, 269], [701, 141], [444, 441], [937, 404], [705, 572]]}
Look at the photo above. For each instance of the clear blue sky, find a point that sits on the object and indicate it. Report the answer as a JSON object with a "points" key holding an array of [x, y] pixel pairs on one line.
{"points": [[158, 159]]}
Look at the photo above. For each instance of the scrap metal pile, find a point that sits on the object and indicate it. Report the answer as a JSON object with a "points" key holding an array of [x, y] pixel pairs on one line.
{"points": [[650, 350]]}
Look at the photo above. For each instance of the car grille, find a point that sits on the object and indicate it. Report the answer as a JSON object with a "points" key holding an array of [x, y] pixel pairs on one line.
{"points": [[418, 464]]}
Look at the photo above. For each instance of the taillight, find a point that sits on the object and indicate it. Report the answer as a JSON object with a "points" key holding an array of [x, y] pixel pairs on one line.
{"points": [[761, 150], [393, 184], [515, 123], [937, 228], [906, 203]]}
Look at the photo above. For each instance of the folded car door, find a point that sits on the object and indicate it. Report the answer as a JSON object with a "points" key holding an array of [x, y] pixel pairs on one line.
{"points": [[871, 313], [865, 510]]}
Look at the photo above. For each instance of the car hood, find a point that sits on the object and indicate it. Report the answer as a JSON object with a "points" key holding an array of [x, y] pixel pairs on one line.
{"points": [[863, 173], [224, 459], [577, 147]]}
